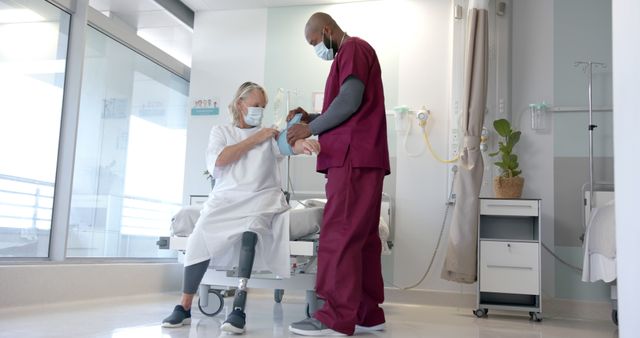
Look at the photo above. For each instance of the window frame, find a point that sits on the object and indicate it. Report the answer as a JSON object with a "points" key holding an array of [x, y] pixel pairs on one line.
{"points": [[82, 16]]}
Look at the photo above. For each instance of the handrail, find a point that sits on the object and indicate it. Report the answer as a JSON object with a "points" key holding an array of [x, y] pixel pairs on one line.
{"points": [[36, 192]]}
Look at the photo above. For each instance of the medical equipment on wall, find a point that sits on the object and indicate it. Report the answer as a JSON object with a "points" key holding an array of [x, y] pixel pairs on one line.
{"points": [[422, 117], [538, 112]]}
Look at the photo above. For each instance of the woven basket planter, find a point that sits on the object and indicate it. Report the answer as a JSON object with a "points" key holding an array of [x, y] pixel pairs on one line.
{"points": [[508, 187]]}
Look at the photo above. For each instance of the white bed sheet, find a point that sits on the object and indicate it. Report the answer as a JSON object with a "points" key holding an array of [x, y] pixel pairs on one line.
{"points": [[305, 220], [599, 261]]}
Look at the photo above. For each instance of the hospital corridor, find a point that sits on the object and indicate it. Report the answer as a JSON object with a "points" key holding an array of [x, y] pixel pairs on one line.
{"points": [[291, 168]]}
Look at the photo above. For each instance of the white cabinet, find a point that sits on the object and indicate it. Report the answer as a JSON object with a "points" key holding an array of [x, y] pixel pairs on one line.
{"points": [[509, 256]]}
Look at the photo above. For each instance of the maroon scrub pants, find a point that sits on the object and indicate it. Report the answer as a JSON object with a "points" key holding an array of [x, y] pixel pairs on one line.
{"points": [[349, 268]]}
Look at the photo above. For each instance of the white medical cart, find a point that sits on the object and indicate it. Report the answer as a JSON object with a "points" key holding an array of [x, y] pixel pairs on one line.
{"points": [[509, 251]]}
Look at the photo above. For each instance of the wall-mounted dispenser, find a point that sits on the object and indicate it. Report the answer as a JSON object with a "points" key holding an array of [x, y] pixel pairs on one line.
{"points": [[538, 113]]}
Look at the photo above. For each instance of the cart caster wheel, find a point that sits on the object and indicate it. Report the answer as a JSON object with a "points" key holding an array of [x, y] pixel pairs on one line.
{"points": [[481, 312], [535, 316], [215, 303], [277, 295], [614, 316]]}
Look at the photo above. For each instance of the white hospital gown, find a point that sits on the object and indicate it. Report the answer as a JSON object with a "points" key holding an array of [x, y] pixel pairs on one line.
{"points": [[247, 196]]}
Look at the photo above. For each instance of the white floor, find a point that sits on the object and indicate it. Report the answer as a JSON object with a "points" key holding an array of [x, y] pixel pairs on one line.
{"points": [[139, 317]]}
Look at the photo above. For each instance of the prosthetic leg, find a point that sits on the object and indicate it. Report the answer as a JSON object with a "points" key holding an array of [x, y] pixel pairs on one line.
{"points": [[236, 320]]}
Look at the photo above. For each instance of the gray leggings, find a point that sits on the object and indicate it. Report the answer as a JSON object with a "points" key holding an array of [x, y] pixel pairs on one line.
{"points": [[193, 276]]}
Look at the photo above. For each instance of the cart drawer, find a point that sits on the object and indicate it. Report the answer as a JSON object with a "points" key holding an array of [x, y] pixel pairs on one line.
{"points": [[509, 267], [509, 207]]}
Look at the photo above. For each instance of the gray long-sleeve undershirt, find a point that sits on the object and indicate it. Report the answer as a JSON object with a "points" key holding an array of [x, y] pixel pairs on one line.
{"points": [[341, 108]]}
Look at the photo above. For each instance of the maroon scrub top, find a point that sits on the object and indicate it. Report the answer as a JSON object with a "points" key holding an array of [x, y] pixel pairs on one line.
{"points": [[364, 135]]}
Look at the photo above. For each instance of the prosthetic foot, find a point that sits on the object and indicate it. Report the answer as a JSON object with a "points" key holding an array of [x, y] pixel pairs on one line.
{"points": [[236, 320]]}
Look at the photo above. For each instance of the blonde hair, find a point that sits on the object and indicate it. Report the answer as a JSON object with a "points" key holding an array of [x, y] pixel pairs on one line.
{"points": [[241, 94]]}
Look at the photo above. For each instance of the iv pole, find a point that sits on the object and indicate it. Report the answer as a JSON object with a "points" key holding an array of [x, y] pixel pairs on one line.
{"points": [[288, 157], [588, 66]]}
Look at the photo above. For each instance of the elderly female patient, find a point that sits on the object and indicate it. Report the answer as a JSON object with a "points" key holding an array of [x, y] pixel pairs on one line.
{"points": [[246, 213]]}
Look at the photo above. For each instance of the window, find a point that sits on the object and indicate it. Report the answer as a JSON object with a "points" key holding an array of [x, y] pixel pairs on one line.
{"points": [[130, 152], [33, 51]]}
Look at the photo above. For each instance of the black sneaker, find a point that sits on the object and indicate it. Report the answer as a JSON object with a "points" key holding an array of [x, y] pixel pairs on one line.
{"points": [[235, 322], [178, 317]]}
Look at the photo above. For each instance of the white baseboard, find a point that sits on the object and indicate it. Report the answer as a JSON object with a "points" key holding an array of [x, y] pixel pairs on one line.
{"points": [[551, 307], [24, 285]]}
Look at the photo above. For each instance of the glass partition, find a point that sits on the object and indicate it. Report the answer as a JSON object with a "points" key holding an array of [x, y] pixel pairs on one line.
{"points": [[129, 166], [33, 54], [583, 37]]}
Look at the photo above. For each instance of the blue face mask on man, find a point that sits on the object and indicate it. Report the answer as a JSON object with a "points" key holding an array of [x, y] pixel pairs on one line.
{"points": [[322, 51], [254, 116]]}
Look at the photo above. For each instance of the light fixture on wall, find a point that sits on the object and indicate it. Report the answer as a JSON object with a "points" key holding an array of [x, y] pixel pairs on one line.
{"points": [[457, 12], [501, 8]]}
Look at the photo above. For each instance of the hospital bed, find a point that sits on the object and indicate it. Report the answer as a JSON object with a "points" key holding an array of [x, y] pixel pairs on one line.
{"points": [[599, 262], [305, 221]]}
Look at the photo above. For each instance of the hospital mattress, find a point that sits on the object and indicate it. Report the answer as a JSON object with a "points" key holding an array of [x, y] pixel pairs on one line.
{"points": [[305, 221]]}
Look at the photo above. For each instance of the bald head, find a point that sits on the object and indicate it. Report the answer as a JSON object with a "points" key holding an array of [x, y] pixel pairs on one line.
{"points": [[322, 24], [318, 21]]}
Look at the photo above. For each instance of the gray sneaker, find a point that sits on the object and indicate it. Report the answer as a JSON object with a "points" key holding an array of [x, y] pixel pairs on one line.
{"points": [[312, 327], [364, 329], [235, 322], [178, 317]]}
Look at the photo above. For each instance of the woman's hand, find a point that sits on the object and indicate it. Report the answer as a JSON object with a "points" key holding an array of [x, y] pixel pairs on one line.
{"points": [[306, 147], [233, 153], [265, 134]]}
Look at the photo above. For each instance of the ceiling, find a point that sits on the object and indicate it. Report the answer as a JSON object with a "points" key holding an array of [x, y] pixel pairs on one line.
{"points": [[210, 5], [152, 23], [156, 25]]}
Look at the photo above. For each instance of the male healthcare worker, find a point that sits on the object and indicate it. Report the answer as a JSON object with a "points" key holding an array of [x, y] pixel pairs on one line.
{"points": [[355, 159]]}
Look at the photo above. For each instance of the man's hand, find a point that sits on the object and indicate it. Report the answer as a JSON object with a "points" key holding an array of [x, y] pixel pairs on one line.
{"points": [[307, 147], [305, 115], [296, 132]]}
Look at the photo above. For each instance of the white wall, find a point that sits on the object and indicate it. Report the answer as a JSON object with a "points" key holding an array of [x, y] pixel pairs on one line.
{"points": [[228, 49], [532, 79], [421, 183], [626, 27]]}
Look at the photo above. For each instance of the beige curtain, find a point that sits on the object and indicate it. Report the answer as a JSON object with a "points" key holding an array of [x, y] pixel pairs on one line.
{"points": [[460, 261]]}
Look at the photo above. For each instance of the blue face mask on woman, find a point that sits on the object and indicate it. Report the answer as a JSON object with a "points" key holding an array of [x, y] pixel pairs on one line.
{"points": [[254, 116], [322, 51]]}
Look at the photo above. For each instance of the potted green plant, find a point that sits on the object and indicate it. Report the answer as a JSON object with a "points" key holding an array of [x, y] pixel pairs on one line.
{"points": [[509, 183]]}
